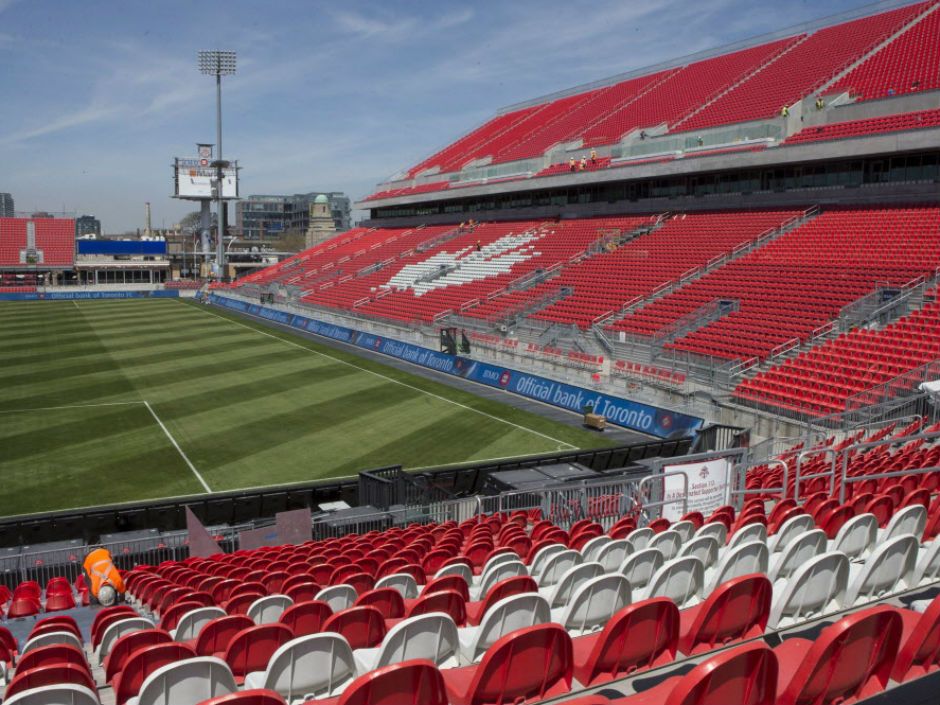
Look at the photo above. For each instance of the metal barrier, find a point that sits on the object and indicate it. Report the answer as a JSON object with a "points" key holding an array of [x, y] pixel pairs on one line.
{"points": [[848, 452], [744, 491], [799, 464], [645, 493]]}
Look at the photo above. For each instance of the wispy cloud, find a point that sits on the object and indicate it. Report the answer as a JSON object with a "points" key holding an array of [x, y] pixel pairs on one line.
{"points": [[98, 97]]}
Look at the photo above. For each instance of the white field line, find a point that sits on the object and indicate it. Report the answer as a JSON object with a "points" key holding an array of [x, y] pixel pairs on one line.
{"points": [[390, 379], [72, 406], [177, 446], [76, 304]]}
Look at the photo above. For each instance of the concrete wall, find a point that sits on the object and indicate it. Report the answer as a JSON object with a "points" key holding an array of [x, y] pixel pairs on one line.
{"points": [[888, 194]]}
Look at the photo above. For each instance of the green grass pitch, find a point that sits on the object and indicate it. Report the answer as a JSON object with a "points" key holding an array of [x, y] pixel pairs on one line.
{"points": [[115, 401]]}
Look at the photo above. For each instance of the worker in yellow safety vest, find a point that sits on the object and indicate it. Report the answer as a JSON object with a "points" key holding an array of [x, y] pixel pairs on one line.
{"points": [[104, 580]]}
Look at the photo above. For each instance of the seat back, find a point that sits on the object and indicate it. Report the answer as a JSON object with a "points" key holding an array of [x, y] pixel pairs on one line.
{"points": [[856, 536], [363, 627], [315, 664], [450, 602], [743, 559], [51, 655], [49, 674], [537, 564], [216, 634], [668, 542], [190, 623], [747, 534], [507, 615], [461, 569], [128, 644], [306, 617], [531, 663], [562, 590], [889, 568], [118, 629], [187, 682], [557, 565], [737, 609], [142, 662], [928, 564], [595, 601], [499, 555], [590, 549], [448, 582], [338, 597], [404, 583], [55, 695], [909, 520], [430, 636], [640, 538], [685, 529], [811, 589], [716, 529], [612, 554], [499, 572], [105, 618], [49, 638], [705, 548], [797, 552], [415, 682], [388, 601], [639, 567], [746, 675], [637, 637], [789, 530], [919, 654], [251, 648], [268, 609], [680, 579], [850, 659]]}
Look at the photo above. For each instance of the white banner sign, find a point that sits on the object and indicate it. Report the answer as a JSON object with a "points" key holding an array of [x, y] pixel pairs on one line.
{"points": [[708, 487]]}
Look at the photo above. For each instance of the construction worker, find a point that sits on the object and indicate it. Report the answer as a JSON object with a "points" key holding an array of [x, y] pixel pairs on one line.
{"points": [[785, 111], [104, 581], [583, 164], [571, 164], [593, 157]]}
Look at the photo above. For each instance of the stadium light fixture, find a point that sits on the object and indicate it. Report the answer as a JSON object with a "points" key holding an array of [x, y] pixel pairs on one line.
{"points": [[218, 63]]}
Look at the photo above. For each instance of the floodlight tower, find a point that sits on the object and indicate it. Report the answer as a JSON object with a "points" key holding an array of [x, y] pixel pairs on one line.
{"points": [[218, 63]]}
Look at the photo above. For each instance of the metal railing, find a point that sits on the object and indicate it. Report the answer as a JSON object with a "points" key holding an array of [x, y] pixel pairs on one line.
{"points": [[847, 453], [831, 473]]}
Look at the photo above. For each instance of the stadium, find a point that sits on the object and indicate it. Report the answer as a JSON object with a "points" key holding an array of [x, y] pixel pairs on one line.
{"points": [[661, 347]]}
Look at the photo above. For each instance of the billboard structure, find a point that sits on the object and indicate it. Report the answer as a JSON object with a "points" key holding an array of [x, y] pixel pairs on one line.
{"points": [[193, 178]]}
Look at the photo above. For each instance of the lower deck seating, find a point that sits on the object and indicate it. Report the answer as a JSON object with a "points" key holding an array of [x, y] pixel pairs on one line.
{"points": [[820, 381], [800, 281]]}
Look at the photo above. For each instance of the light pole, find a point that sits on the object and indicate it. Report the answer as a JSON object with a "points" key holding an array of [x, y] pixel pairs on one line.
{"points": [[218, 63]]}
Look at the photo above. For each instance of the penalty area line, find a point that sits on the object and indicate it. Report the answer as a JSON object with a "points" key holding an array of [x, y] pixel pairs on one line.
{"points": [[178, 449]]}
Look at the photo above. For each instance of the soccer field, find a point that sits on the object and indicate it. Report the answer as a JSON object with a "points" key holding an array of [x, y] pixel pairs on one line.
{"points": [[114, 401]]}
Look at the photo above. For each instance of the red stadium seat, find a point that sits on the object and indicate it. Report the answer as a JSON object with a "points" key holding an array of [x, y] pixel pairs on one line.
{"points": [[250, 649], [64, 672], [128, 644], [919, 652], [215, 635], [304, 618], [363, 627], [530, 663], [415, 682], [639, 636], [849, 660], [737, 609], [247, 697]]}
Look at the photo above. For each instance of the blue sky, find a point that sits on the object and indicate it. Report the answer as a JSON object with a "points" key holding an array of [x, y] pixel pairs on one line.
{"points": [[96, 97]]}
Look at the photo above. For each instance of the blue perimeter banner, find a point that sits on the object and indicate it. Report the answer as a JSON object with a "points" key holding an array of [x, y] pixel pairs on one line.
{"points": [[622, 412], [72, 295]]}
